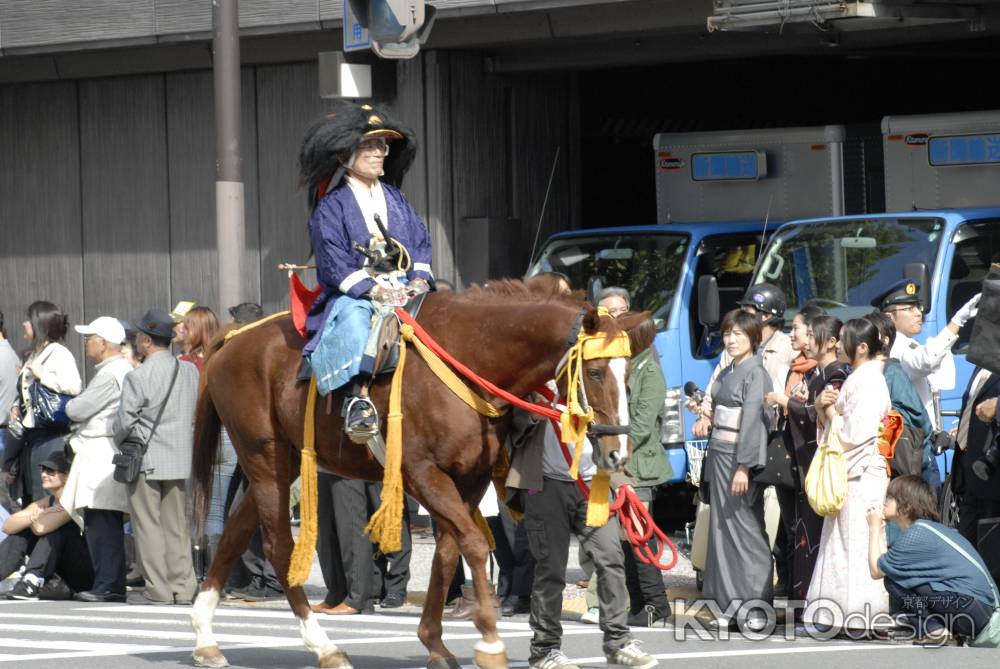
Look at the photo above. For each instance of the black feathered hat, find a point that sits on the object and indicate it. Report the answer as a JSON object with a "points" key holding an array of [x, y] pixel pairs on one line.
{"points": [[332, 140]]}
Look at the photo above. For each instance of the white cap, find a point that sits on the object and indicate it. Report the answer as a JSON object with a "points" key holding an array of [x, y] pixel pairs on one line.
{"points": [[107, 328]]}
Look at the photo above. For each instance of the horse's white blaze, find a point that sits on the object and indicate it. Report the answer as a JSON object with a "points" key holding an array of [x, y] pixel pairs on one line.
{"points": [[618, 367], [202, 614], [314, 637]]}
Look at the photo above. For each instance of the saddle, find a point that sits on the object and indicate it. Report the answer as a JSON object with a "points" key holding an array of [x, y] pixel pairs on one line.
{"points": [[388, 338]]}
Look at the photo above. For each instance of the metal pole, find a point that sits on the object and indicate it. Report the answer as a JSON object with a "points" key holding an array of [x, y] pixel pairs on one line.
{"points": [[230, 227]]}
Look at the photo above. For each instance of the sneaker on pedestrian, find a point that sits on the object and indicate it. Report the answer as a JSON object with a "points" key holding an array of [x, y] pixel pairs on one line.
{"points": [[393, 600], [556, 659], [631, 655], [24, 589], [592, 616]]}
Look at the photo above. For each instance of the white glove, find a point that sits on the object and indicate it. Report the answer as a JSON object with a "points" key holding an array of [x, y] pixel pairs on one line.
{"points": [[968, 310]]}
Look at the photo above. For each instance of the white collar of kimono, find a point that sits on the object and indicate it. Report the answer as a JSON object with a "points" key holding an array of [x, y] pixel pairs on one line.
{"points": [[371, 201]]}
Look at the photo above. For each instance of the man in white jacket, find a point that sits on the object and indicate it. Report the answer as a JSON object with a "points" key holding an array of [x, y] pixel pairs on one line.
{"points": [[94, 500]]}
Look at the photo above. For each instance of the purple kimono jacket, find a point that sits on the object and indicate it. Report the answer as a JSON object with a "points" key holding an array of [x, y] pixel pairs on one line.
{"points": [[336, 224]]}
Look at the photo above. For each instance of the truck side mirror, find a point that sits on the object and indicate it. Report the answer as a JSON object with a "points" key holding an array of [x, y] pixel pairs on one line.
{"points": [[708, 300], [917, 271]]}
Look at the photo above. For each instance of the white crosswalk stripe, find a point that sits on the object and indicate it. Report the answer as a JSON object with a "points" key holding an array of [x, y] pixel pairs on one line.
{"points": [[90, 631]]}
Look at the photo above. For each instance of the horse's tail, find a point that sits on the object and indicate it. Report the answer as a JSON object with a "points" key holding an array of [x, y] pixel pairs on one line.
{"points": [[207, 429]]}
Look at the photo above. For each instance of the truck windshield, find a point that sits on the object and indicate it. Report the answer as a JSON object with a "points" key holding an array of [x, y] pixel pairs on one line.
{"points": [[647, 265], [842, 265]]}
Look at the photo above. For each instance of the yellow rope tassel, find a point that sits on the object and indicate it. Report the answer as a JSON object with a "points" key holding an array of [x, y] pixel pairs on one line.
{"points": [[484, 527], [597, 508], [305, 547], [386, 525]]}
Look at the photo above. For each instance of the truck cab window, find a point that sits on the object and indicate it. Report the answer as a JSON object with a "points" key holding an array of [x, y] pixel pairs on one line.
{"points": [[730, 259], [977, 245]]}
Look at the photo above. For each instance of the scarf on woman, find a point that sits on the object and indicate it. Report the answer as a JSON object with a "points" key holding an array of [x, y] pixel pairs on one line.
{"points": [[797, 371]]}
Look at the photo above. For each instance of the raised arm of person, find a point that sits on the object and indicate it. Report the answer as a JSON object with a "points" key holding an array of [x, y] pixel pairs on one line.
{"points": [[876, 541]]}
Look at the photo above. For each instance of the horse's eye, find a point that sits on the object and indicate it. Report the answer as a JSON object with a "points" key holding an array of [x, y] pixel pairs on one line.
{"points": [[594, 374]]}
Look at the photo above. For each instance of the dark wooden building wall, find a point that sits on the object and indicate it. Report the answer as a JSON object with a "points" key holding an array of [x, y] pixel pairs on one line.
{"points": [[107, 200]]}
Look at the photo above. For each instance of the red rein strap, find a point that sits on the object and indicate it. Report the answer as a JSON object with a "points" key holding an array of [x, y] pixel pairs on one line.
{"points": [[536, 409], [633, 515]]}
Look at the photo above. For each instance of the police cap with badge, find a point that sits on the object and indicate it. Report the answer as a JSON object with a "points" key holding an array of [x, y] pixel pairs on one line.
{"points": [[906, 291]]}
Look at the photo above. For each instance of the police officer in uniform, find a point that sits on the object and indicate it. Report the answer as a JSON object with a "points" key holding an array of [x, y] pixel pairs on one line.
{"points": [[929, 365]]}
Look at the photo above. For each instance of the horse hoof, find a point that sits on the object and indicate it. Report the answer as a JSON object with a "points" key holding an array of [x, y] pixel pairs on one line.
{"points": [[444, 663], [335, 659], [209, 656], [485, 660]]}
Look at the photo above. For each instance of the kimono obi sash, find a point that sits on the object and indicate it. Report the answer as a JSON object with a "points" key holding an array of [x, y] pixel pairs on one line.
{"points": [[726, 423]]}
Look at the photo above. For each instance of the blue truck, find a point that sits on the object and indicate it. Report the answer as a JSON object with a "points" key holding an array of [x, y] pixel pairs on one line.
{"points": [[776, 175], [932, 163]]}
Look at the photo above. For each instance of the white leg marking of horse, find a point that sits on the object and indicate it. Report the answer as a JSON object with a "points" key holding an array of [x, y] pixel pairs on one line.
{"points": [[202, 614], [618, 367], [313, 636], [494, 648]]}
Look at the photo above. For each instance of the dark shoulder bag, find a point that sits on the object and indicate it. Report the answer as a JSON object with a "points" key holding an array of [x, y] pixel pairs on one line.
{"points": [[779, 468], [128, 462]]}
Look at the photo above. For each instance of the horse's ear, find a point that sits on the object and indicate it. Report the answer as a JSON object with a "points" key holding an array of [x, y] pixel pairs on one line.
{"points": [[640, 329], [591, 320]]}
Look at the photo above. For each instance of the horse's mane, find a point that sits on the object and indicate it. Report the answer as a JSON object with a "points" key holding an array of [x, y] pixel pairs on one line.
{"points": [[523, 291]]}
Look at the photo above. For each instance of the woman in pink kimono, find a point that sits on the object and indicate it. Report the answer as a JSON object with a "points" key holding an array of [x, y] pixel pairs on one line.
{"points": [[841, 595]]}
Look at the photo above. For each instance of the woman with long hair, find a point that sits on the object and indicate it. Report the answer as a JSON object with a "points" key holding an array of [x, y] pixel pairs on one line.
{"points": [[800, 405], [841, 594], [52, 365], [738, 564], [200, 325], [800, 370]]}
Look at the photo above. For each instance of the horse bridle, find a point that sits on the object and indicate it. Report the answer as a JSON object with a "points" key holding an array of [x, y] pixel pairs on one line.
{"points": [[594, 430]]}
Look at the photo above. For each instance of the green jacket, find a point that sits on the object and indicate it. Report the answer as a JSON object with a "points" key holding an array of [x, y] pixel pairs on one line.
{"points": [[647, 389]]}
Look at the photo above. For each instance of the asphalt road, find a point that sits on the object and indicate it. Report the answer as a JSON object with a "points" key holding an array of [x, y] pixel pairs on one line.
{"points": [[44, 635]]}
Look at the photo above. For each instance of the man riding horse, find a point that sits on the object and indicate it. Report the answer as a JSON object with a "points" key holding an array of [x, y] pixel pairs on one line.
{"points": [[372, 251]]}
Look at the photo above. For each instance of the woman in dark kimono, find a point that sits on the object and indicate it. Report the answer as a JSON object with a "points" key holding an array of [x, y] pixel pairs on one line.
{"points": [[738, 566], [821, 346]]}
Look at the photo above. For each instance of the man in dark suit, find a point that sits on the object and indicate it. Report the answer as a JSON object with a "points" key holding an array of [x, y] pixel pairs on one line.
{"points": [[976, 431]]}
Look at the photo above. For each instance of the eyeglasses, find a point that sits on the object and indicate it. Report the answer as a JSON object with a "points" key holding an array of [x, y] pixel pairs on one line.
{"points": [[374, 146], [909, 307], [49, 471], [615, 312]]}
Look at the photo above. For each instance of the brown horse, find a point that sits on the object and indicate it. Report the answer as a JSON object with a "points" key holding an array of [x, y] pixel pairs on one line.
{"points": [[509, 333]]}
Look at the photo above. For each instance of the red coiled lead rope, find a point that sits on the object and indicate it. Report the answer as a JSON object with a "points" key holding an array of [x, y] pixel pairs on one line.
{"points": [[633, 515]]}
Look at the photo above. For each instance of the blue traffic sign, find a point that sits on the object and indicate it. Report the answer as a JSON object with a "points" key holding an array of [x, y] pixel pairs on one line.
{"points": [[356, 37]]}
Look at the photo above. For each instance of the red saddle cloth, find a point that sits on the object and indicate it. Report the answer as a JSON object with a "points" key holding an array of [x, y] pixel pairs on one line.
{"points": [[301, 300]]}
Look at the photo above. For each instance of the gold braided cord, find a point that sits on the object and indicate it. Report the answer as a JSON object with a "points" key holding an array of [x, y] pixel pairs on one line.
{"points": [[251, 326], [386, 525], [447, 376], [305, 547]]}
